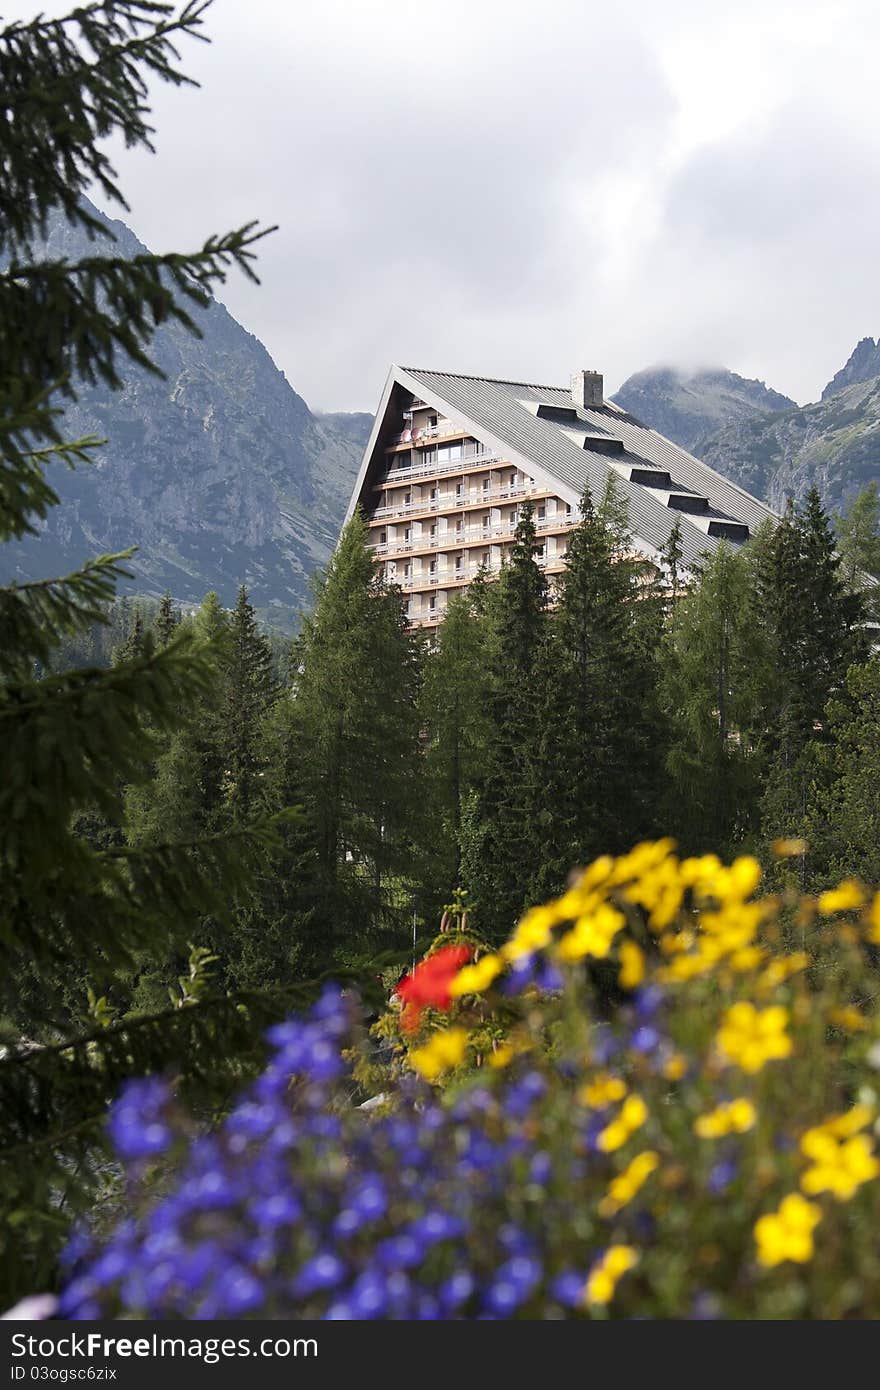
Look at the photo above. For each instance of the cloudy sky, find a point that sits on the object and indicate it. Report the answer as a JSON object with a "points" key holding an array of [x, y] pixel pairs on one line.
{"points": [[520, 189]]}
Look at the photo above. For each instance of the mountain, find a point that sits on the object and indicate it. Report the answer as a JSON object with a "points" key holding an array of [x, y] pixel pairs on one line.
{"points": [[768, 444], [833, 445], [691, 407], [219, 473], [863, 365]]}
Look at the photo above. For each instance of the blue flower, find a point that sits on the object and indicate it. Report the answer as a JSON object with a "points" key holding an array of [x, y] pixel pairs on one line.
{"points": [[568, 1288], [137, 1122], [325, 1270]]}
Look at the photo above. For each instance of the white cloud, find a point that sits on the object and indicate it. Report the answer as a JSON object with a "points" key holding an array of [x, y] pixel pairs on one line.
{"points": [[520, 189]]}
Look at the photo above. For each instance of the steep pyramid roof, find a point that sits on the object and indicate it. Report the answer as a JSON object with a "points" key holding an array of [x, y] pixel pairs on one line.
{"points": [[569, 447]]}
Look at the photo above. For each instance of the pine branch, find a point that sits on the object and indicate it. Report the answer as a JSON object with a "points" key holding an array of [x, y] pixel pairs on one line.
{"points": [[34, 617], [67, 321], [70, 82]]}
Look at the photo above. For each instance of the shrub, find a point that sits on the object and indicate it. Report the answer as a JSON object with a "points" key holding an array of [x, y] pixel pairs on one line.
{"points": [[678, 1122]]}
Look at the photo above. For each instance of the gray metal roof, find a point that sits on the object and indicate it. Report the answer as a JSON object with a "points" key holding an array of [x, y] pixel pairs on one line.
{"points": [[561, 452]]}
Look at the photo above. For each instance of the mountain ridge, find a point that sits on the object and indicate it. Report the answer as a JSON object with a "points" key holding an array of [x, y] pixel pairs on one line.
{"points": [[219, 472]]}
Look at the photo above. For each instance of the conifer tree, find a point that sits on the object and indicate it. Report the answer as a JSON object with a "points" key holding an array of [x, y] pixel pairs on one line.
{"points": [[843, 802], [503, 848], [352, 728], [713, 665], [602, 737], [455, 721], [251, 690], [166, 621], [859, 541], [814, 630], [73, 915]]}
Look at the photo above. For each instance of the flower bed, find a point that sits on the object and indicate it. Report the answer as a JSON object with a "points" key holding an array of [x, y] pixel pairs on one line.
{"points": [[657, 1099]]}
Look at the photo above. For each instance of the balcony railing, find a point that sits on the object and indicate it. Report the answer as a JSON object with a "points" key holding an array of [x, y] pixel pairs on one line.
{"points": [[472, 535], [451, 577], [424, 469], [413, 436], [451, 501]]}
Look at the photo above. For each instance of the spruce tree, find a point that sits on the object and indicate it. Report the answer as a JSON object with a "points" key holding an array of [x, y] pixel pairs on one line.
{"points": [[75, 916], [455, 722], [814, 630], [166, 621], [712, 671], [251, 690], [601, 727], [352, 733], [859, 542], [503, 849], [843, 802]]}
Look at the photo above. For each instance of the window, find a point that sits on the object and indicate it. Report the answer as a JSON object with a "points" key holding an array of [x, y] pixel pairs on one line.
{"points": [[542, 512], [432, 568], [406, 534], [434, 528], [432, 603], [568, 509], [459, 561], [433, 494], [484, 558], [541, 551], [512, 480], [407, 498], [407, 571], [459, 489], [383, 537], [485, 484], [447, 452], [459, 526], [432, 420]]}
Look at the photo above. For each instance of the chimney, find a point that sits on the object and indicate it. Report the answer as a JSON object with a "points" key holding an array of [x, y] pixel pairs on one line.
{"points": [[586, 390]]}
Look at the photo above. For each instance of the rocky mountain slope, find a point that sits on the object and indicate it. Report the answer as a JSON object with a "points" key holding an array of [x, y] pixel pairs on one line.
{"points": [[775, 451], [691, 407], [219, 473]]}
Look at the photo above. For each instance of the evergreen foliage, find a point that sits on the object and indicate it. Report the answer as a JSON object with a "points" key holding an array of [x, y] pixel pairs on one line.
{"points": [[351, 729], [503, 840], [74, 916], [712, 681], [601, 731]]}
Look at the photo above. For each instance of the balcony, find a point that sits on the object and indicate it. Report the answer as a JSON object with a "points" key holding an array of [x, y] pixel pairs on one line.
{"points": [[453, 578], [422, 432], [452, 501], [427, 468], [471, 535]]}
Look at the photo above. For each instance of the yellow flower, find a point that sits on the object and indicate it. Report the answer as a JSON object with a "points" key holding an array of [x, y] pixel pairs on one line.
{"points": [[604, 1277], [602, 1090], [850, 1122], [747, 958], [533, 932], [632, 1116], [777, 971], [501, 1056], [849, 1019], [844, 898], [733, 1118], [839, 1166], [789, 849], [675, 1067], [787, 1234], [440, 1053], [632, 965], [592, 934], [473, 979], [750, 1037], [628, 1183]]}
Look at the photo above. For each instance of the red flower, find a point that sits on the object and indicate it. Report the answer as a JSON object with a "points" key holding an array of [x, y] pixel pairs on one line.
{"points": [[428, 985]]}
